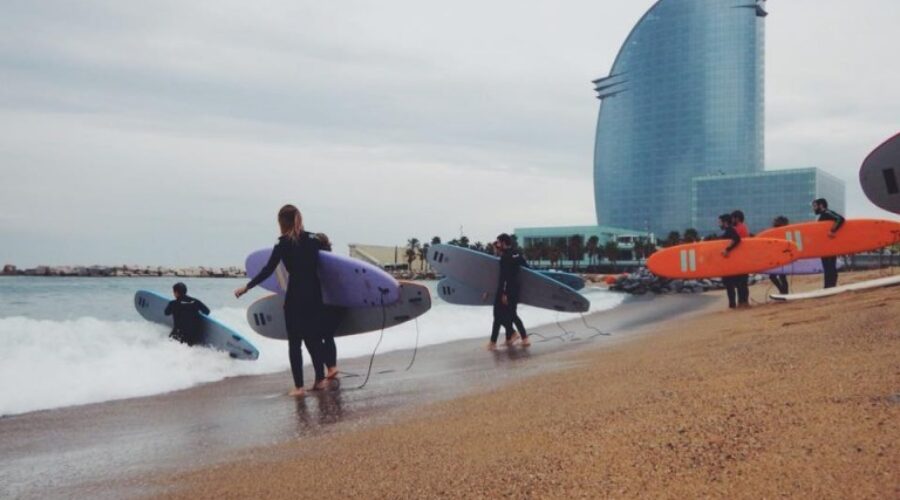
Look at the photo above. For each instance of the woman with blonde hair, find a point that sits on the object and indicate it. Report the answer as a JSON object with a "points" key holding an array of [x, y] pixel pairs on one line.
{"points": [[298, 250]]}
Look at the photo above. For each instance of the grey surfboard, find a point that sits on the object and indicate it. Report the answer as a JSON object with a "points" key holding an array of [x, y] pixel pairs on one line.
{"points": [[879, 175], [214, 334], [480, 271], [266, 315], [455, 292]]}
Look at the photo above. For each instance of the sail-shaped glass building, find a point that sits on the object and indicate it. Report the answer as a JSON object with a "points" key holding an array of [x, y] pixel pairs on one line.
{"points": [[684, 98]]}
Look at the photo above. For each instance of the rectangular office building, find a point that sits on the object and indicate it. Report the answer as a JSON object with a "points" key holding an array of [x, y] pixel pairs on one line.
{"points": [[762, 196]]}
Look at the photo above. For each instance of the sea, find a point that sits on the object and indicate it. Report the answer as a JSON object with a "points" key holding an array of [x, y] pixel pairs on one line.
{"points": [[75, 341]]}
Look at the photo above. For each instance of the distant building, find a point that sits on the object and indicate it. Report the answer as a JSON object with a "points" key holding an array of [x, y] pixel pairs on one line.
{"points": [[762, 196], [387, 257], [9, 269]]}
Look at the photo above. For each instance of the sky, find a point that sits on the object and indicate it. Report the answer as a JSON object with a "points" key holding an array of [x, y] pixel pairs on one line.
{"points": [[169, 133]]}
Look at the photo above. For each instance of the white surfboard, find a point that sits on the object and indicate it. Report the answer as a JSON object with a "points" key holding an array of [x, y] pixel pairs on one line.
{"points": [[152, 306], [480, 271], [828, 292], [266, 315]]}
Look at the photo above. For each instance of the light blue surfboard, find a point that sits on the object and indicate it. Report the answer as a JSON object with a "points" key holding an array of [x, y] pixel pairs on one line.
{"points": [[152, 306]]}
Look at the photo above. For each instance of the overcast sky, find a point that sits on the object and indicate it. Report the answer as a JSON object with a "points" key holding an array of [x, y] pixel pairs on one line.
{"points": [[171, 132]]}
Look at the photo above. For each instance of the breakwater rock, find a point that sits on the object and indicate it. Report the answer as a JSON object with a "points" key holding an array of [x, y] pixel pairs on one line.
{"points": [[643, 281]]}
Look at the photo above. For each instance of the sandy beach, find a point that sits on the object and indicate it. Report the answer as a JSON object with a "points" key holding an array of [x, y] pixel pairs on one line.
{"points": [[799, 399]]}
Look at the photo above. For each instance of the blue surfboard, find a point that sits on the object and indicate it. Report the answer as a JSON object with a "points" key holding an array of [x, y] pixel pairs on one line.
{"points": [[214, 334]]}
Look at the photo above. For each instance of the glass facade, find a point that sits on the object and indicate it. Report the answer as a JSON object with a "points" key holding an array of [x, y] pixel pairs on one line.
{"points": [[684, 99], [763, 196]]}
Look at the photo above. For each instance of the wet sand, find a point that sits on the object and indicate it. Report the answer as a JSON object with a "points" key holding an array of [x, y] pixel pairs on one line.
{"points": [[122, 448], [798, 399]]}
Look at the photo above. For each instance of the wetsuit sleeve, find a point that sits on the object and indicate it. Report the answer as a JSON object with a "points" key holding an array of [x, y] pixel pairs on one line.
{"points": [[269, 268], [735, 238], [503, 280], [522, 262], [169, 307], [202, 307], [838, 221]]}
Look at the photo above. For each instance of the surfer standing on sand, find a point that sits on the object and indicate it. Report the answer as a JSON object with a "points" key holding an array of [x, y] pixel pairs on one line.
{"points": [[185, 311], [298, 250], [742, 281], [829, 264], [780, 280], [506, 300], [501, 313], [331, 319], [728, 232]]}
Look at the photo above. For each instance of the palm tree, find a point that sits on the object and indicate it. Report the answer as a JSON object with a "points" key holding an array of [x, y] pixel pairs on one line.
{"points": [[611, 252], [576, 249], [423, 256], [412, 250], [672, 239], [435, 240], [592, 247], [464, 241], [553, 255], [691, 235]]}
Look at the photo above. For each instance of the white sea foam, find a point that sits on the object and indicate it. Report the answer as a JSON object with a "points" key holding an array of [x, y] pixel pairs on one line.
{"points": [[49, 364]]}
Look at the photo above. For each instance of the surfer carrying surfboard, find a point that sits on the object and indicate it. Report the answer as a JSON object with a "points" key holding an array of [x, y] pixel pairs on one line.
{"points": [[506, 300], [728, 232], [298, 250], [185, 311], [742, 281], [829, 264]]}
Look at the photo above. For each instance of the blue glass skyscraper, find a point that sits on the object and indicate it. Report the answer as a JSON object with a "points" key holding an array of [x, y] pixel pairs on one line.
{"points": [[684, 99]]}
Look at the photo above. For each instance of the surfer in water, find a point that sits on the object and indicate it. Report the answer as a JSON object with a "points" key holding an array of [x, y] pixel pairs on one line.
{"points": [[298, 250], [331, 319], [829, 264], [741, 281], [506, 300], [729, 233], [780, 280], [185, 311]]}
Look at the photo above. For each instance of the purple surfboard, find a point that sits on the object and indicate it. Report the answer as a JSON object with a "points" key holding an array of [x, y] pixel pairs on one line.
{"points": [[345, 282], [802, 266]]}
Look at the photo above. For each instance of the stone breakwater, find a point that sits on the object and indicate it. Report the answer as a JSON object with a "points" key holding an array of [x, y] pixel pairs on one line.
{"points": [[643, 281], [126, 271]]}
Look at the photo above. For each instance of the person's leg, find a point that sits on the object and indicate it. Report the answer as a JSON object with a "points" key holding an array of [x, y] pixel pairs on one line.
{"points": [[829, 266], [498, 321], [313, 325], [329, 348], [783, 288], [295, 349], [730, 290], [744, 290], [514, 314]]}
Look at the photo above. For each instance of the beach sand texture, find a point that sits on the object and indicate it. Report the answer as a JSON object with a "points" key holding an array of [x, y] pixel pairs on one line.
{"points": [[799, 399]]}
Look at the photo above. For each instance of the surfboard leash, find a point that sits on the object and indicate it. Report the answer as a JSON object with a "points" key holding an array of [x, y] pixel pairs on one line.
{"points": [[599, 333], [377, 344], [415, 349]]}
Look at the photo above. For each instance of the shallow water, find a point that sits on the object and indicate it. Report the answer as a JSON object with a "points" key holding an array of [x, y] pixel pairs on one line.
{"points": [[71, 341]]}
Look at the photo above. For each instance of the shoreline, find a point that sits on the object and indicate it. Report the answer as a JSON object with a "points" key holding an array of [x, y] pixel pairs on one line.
{"points": [[223, 421]]}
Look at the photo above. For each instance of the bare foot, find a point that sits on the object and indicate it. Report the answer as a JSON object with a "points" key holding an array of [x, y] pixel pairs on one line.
{"points": [[331, 373], [512, 339], [297, 392], [492, 346], [526, 342]]}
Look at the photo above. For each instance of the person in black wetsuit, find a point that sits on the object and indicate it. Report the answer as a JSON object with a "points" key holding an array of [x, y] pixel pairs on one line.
{"points": [[506, 300], [332, 316], [730, 282], [742, 281], [185, 311], [829, 264], [780, 280], [501, 315], [298, 250]]}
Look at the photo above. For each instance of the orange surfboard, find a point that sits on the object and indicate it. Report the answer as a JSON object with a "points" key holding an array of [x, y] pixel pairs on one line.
{"points": [[705, 259], [855, 236]]}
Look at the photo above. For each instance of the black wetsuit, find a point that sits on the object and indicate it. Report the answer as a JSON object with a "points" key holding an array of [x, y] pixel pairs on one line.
{"points": [[303, 307], [186, 313], [829, 264], [732, 283], [508, 284], [332, 319]]}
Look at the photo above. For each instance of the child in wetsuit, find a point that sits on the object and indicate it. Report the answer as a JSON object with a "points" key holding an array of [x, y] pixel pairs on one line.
{"points": [[185, 312], [332, 316]]}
